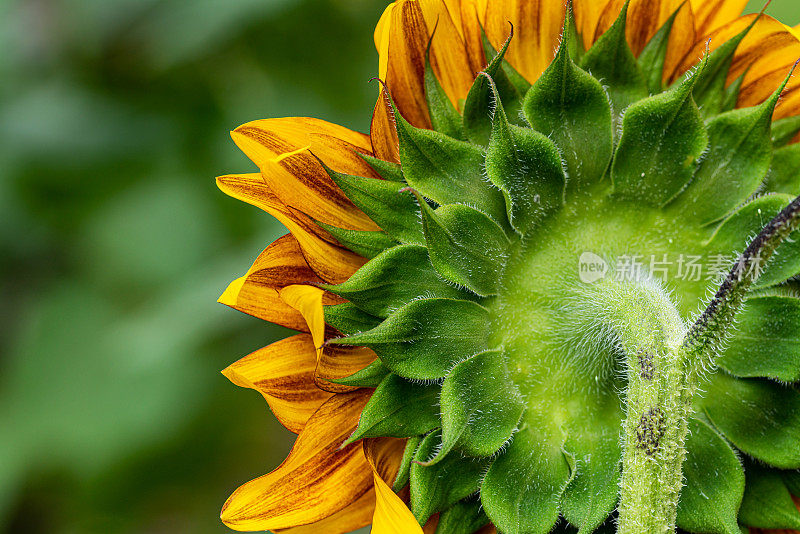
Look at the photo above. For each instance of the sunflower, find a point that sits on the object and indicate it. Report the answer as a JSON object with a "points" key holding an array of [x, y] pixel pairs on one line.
{"points": [[518, 300]]}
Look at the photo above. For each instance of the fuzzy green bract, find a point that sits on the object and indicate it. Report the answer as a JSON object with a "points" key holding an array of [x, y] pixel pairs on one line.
{"points": [[477, 294]]}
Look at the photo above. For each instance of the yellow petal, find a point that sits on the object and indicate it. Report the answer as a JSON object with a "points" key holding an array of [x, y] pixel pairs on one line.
{"points": [[383, 133], [537, 28], [646, 17], [357, 515], [713, 14], [283, 373], [256, 293], [382, 40], [587, 17], [392, 516], [329, 260], [338, 362], [285, 151], [308, 301], [316, 481]]}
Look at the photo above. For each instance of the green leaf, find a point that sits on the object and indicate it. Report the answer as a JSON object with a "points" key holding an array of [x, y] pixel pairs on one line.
{"points": [[506, 75], [382, 200], [437, 487], [465, 246], [363, 243], [767, 502], [393, 279], [662, 137], [731, 96], [736, 231], [368, 377], [709, 90], [766, 342], [445, 118], [527, 167], [784, 130], [348, 319], [792, 481], [481, 103], [784, 173], [651, 60], [761, 418], [424, 339], [710, 499], [481, 406], [388, 170], [611, 61], [404, 472], [571, 108], [446, 170], [398, 409], [522, 489], [735, 164], [464, 517], [593, 492]]}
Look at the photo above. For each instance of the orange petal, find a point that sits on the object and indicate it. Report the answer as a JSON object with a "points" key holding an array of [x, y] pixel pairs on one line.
{"points": [[329, 260], [256, 293], [587, 17], [712, 14], [284, 151], [316, 481], [383, 132], [646, 17], [357, 515], [392, 516], [608, 15], [284, 374], [338, 362], [537, 29], [471, 15]]}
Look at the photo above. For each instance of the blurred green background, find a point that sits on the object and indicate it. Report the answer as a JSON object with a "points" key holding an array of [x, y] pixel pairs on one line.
{"points": [[115, 244]]}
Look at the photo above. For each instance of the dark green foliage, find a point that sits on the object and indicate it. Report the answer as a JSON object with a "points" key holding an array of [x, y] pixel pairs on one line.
{"points": [[784, 130], [348, 319], [398, 409], [445, 118], [404, 471], [570, 107], [387, 170], [662, 137], [767, 502], [759, 417], [481, 406], [394, 279], [767, 340], [437, 487], [465, 246], [784, 173], [714, 486], [368, 377], [363, 243], [464, 517], [423, 339], [385, 204], [611, 61]]}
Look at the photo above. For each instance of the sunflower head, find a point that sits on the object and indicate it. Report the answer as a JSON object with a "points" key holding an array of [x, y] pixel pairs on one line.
{"points": [[497, 285]]}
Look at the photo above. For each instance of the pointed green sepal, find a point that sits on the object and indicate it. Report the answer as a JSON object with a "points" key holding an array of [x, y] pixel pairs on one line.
{"points": [[784, 130], [369, 377], [404, 472], [481, 104], [527, 168], [570, 107], [710, 499], [767, 502], [523, 487], [364, 243], [348, 319], [398, 409], [761, 418], [481, 406], [784, 172], [734, 166], [792, 481], [709, 90], [766, 342], [611, 61], [395, 212], [437, 487], [465, 246], [386, 169], [425, 338], [445, 118], [446, 170], [651, 60], [464, 517], [507, 74], [662, 138], [393, 279], [731, 96]]}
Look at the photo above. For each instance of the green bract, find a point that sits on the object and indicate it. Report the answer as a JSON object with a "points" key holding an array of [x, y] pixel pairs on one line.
{"points": [[486, 293]]}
